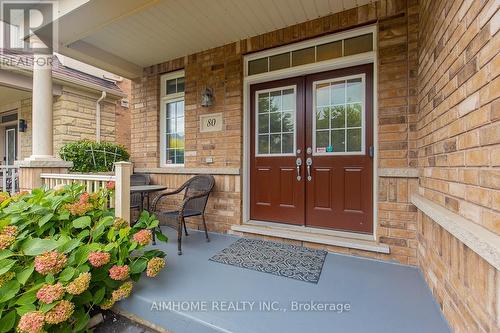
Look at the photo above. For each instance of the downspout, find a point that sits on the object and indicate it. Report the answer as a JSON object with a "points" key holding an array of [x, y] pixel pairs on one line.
{"points": [[98, 117]]}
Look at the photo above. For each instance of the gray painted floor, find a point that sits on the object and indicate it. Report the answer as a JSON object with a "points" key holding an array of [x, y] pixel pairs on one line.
{"points": [[383, 297]]}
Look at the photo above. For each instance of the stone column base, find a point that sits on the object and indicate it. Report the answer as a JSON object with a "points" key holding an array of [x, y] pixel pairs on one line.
{"points": [[31, 169]]}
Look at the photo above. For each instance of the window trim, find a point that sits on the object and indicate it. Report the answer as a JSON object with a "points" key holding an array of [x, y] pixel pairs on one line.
{"points": [[164, 100], [363, 118]]}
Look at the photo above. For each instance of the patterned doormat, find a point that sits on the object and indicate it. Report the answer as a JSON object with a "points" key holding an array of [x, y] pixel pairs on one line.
{"points": [[291, 261]]}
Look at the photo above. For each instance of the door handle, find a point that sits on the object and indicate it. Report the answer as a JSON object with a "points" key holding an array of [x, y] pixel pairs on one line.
{"points": [[309, 162], [298, 164]]}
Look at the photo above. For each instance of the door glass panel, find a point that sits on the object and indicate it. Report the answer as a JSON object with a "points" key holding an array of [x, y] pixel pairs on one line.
{"points": [[354, 139], [322, 118], [338, 116], [11, 146], [354, 115], [339, 123], [276, 122]]}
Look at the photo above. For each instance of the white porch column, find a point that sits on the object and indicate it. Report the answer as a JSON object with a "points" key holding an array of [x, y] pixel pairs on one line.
{"points": [[42, 145]]}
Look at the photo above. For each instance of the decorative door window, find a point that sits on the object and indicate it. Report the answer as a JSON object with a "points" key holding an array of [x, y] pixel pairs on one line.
{"points": [[339, 119], [275, 121]]}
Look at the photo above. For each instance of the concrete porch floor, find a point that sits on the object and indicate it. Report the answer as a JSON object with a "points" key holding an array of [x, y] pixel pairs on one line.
{"points": [[383, 297]]}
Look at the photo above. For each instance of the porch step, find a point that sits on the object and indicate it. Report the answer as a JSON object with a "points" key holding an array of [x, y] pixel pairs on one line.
{"points": [[312, 237]]}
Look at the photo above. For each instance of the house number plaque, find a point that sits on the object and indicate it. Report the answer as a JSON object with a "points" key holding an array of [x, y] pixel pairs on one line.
{"points": [[211, 122]]}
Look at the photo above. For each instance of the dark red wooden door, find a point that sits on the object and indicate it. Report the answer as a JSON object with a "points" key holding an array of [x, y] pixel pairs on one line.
{"points": [[339, 130], [277, 194], [332, 138]]}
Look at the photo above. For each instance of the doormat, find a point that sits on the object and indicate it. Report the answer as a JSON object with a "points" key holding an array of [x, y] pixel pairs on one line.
{"points": [[291, 261]]}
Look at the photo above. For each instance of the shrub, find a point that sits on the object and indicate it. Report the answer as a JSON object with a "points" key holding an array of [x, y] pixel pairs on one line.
{"points": [[90, 156], [62, 253]]}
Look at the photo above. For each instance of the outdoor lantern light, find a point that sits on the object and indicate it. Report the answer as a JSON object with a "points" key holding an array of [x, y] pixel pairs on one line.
{"points": [[207, 97], [23, 125]]}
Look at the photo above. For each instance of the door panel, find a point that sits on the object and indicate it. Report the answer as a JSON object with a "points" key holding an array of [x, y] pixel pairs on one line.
{"points": [[276, 194], [325, 121], [339, 131]]}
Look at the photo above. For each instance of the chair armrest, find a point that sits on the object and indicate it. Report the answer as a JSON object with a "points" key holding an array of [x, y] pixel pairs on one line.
{"points": [[162, 195]]}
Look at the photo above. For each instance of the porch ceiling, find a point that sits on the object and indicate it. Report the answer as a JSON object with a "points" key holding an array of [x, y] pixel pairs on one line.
{"points": [[124, 36], [10, 95]]}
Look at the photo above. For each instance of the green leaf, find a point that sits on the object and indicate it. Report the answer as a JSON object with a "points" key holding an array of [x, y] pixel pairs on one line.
{"points": [[82, 319], [69, 245], [9, 290], [5, 254], [6, 265], [50, 278], [67, 274], [161, 237], [36, 246], [99, 295], [27, 298], [24, 275], [46, 307], [82, 222], [25, 309], [45, 219], [8, 321], [64, 216], [138, 266]]}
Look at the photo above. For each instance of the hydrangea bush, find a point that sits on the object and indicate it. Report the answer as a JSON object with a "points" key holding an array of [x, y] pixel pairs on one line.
{"points": [[63, 253]]}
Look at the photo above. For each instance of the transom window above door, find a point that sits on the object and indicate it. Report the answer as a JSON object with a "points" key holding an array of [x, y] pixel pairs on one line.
{"points": [[339, 116], [275, 123]]}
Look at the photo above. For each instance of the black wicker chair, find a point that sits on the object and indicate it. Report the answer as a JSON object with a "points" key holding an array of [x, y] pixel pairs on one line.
{"points": [[197, 190], [135, 198]]}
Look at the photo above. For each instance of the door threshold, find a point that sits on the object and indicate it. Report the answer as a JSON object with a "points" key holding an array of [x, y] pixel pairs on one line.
{"points": [[311, 235]]}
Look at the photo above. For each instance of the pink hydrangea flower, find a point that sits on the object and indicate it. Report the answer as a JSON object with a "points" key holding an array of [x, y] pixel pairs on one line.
{"points": [[110, 185], [123, 292], [31, 322], [119, 273], [50, 262], [59, 313], [50, 293], [9, 230], [80, 284], [142, 237], [98, 259], [155, 265], [6, 241]]}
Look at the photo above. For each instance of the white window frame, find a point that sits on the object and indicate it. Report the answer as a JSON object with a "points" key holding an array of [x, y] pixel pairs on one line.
{"points": [[164, 100], [294, 87], [363, 117]]}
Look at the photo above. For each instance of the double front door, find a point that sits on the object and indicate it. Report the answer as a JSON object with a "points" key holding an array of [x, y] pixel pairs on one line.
{"points": [[312, 150]]}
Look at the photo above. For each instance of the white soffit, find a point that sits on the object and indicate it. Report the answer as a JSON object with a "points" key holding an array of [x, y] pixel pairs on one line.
{"points": [[168, 29]]}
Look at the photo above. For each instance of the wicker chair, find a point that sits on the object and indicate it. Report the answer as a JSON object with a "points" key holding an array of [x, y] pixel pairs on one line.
{"points": [[135, 198], [197, 190]]}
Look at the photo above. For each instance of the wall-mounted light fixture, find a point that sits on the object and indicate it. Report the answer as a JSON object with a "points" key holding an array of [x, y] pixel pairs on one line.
{"points": [[23, 125], [207, 97]]}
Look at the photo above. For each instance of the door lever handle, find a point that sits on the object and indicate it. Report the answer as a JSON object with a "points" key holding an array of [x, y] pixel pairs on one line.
{"points": [[298, 163], [309, 162]]}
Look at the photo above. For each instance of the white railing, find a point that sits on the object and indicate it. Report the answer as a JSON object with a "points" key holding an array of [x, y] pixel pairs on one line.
{"points": [[93, 182], [10, 178]]}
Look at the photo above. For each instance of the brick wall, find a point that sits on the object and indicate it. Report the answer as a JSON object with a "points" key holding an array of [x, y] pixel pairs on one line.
{"points": [[459, 153], [74, 119], [222, 69], [458, 126], [465, 286], [122, 116]]}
